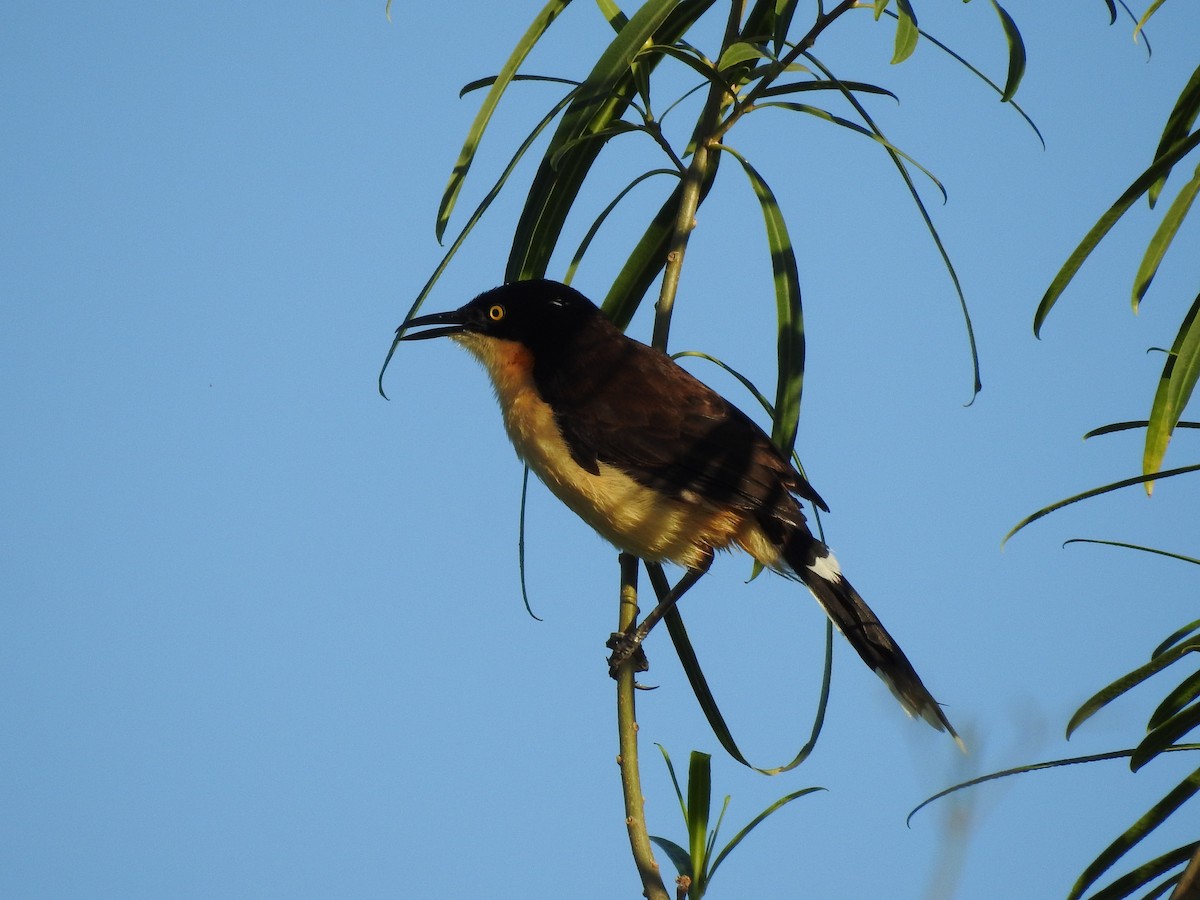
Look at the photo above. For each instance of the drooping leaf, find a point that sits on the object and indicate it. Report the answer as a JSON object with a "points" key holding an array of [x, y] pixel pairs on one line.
{"points": [[1016, 53], [1150, 10], [604, 214], [1175, 386], [1127, 884], [1128, 682], [603, 98], [789, 341], [740, 53], [1163, 235], [1133, 835], [1158, 169], [1095, 492], [1179, 123], [466, 156], [906, 31], [898, 162], [1183, 694], [1154, 550], [1165, 735]]}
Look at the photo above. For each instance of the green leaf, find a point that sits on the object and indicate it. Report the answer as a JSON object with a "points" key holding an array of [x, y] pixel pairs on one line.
{"points": [[602, 99], [858, 129], [1095, 492], [604, 214], [1165, 735], [756, 821], [678, 856], [1153, 817], [1154, 550], [906, 31], [1163, 235], [471, 222], [699, 795], [1016, 53], [740, 53], [644, 264], [695, 676], [1127, 682], [1179, 123], [795, 87], [1177, 637], [1125, 886], [466, 156], [1158, 169], [1150, 10], [789, 341], [1183, 694], [982, 77], [1175, 387]]}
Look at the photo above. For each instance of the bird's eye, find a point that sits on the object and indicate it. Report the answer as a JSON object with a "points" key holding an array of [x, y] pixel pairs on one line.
{"points": [[496, 312]]}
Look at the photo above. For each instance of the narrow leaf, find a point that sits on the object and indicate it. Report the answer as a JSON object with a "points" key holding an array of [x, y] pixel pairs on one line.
{"points": [[1165, 735], [789, 313], [1150, 10], [1163, 235], [1016, 53], [1178, 637], [1153, 817], [906, 31], [1154, 550], [1179, 123], [678, 856], [1183, 695], [1175, 387], [466, 156], [1141, 184], [1125, 886], [754, 823], [699, 794], [1127, 682], [740, 53], [1095, 492]]}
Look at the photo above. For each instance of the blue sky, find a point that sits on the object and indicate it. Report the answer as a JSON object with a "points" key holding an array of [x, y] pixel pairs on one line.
{"points": [[261, 631]]}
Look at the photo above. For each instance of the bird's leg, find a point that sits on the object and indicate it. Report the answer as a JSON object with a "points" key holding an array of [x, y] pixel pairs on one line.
{"points": [[625, 644]]}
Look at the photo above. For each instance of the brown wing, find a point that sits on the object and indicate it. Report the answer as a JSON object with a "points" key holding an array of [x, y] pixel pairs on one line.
{"points": [[625, 404]]}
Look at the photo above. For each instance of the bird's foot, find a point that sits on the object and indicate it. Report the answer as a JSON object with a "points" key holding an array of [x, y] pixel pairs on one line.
{"points": [[626, 647]]}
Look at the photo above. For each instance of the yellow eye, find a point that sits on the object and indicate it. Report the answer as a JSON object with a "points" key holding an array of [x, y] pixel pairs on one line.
{"points": [[496, 312]]}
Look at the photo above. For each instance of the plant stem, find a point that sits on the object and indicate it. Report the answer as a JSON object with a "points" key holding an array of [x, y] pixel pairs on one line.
{"points": [[689, 200], [627, 728]]}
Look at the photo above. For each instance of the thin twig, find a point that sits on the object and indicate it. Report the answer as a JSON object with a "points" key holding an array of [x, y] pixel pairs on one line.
{"points": [[627, 728]]}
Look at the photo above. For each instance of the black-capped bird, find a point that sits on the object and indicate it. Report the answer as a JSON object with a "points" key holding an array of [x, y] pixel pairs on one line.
{"points": [[657, 462]]}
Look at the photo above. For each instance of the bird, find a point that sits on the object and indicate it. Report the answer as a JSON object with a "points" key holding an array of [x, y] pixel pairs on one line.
{"points": [[657, 462]]}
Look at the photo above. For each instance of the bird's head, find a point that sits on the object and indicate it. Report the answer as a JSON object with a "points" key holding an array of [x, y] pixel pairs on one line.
{"points": [[538, 315]]}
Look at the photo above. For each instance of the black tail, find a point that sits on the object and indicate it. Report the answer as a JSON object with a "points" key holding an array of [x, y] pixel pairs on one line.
{"points": [[812, 562]]}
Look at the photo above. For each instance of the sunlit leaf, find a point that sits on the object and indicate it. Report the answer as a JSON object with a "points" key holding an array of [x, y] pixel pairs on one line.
{"points": [[601, 99], [699, 799], [466, 156], [1163, 235], [1016, 53], [756, 821], [898, 162], [740, 53], [1179, 124], [906, 31], [1158, 169], [604, 214], [789, 313], [1175, 386], [925, 35], [1150, 10]]}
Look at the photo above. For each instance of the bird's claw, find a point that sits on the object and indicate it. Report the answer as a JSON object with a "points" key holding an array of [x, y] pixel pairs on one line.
{"points": [[625, 647]]}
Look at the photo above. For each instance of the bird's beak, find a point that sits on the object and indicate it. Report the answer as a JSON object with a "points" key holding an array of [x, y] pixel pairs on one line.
{"points": [[453, 322]]}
